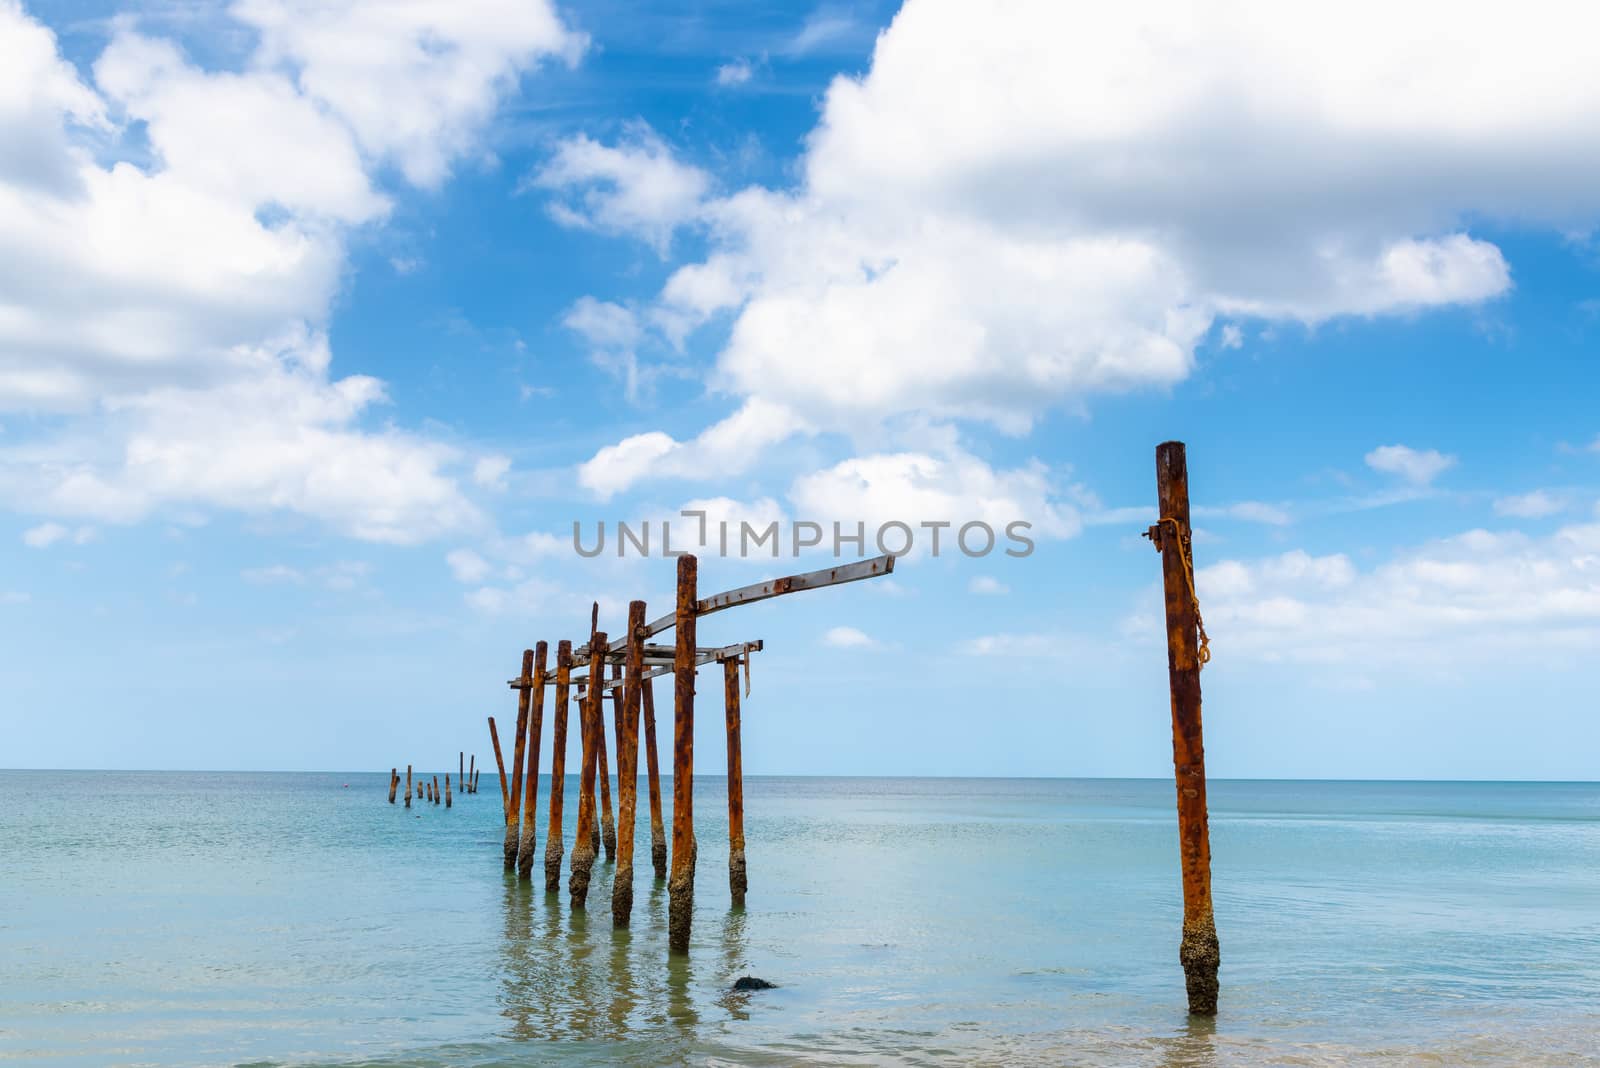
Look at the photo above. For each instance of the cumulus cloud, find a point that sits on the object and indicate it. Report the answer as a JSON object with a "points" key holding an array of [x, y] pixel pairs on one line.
{"points": [[1020, 206], [988, 586], [1445, 603], [1416, 466], [47, 534], [950, 486], [637, 187], [724, 448], [847, 638], [171, 238], [1535, 505], [734, 74]]}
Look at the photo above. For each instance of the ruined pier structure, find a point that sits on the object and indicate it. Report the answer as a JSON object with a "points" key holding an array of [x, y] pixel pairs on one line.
{"points": [[623, 668]]}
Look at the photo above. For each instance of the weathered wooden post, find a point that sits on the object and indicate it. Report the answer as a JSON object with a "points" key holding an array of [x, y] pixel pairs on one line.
{"points": [[680, 888], [408, 786], [608, 826], [461, 771], [627, 732], [583, 850], [558, 767], [1186, 651], [447, 789], [435, 795], [494, 737], [472, 773], [530, 801], [394, 783], [737, 881], [658, 834], [518, 752]]}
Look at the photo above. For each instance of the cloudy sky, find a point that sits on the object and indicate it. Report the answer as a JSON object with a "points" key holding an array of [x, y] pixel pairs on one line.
{"points": [[322, 321]]}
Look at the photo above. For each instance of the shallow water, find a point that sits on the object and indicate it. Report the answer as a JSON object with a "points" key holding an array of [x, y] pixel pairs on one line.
{"points": [[284, 919]]}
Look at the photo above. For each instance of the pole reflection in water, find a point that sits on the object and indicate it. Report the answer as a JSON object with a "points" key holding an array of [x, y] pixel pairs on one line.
{"points": [[567, 975], [1194, 1046]]}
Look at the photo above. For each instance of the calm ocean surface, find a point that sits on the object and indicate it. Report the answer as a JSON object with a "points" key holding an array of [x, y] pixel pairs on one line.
{"points": [[218, 919]]}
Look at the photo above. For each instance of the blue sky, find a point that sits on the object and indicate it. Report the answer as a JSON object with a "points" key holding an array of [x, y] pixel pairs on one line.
{"points": [[319, 328]]}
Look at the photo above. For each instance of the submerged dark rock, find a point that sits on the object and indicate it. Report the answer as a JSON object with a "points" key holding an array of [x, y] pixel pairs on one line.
{"points": [[750, 982]]}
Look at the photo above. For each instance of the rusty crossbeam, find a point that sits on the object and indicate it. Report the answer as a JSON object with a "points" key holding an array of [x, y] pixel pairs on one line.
{"points": [[703, 657], [761, 591]]}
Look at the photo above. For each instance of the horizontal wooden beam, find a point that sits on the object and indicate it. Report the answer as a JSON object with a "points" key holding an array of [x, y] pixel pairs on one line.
{"points": [[702, 658], [761, 591]]}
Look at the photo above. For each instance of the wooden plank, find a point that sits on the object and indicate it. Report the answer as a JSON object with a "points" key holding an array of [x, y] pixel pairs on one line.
{"points": [[707, 656]]}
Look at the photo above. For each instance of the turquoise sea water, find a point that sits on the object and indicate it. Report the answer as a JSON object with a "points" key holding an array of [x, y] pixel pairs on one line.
{"points": [[287, 919]]}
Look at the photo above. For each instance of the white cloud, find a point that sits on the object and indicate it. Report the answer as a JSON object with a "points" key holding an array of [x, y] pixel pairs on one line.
{"points": [[274, 574], [490, 471], [167, 280], [467, 566], [340, 575], [1247, 511], [847, 638], [728, 447], [951, 487], [14, 597], [734, 74], [988, 586], [1451, 602], [637, 187], [415, 82], [47, 534], [1416, 466], [825, 29], [1021, 206], [1535, 505]]}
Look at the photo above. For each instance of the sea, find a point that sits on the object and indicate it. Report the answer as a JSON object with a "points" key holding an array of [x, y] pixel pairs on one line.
{"points": [[184, 918]]}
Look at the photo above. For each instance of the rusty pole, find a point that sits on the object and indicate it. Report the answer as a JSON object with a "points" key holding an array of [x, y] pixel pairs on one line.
{"points": [[737, 881], [583, 850], [530, 803], [461, 772], [518, 751], [558, 767], [627, 732], [394, 783], [472, 773], [608, 826], [680, 888], [447, 789], [658, 834], [408, 786], [494, 736], [1199, 951]]}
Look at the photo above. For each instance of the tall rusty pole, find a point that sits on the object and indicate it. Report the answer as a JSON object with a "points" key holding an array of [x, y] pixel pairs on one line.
{"points": [[408, 786], [583, 850], [518, 753], [505, 794], [608, 825], [1199, 951], [737, 881], [680, 888], [530, 803], [558, 767], [627, 731], [658, 834]]}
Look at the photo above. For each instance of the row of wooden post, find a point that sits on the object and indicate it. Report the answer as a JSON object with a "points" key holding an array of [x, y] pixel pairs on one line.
{"points": [[429, 791], [632, 701]]}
